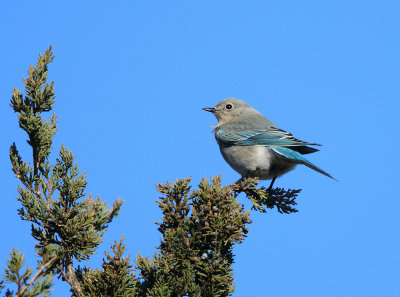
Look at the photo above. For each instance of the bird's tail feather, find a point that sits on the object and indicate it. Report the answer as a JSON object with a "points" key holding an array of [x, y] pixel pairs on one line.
{"points": [[298, 158], [312, 166]]}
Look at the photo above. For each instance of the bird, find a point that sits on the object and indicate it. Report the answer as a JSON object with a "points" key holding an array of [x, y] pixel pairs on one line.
{"points": [[254, 146]]}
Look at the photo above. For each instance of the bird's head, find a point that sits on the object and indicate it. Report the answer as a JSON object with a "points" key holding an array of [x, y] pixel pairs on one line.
{"points": [[230, 109]]}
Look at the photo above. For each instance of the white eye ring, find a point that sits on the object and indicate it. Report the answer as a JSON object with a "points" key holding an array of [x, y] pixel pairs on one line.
{"points": [[229, 106]]}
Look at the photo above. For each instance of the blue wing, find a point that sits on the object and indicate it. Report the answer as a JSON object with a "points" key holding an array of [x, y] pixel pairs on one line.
{"points": [[298, 158], [270, 136]]}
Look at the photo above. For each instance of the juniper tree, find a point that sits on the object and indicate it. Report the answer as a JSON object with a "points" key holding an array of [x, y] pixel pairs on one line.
{"points": [[67, 225], [199, 227]]}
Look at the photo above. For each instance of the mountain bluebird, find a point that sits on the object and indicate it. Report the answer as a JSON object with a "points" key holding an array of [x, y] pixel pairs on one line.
{"points": [[254, 146]]}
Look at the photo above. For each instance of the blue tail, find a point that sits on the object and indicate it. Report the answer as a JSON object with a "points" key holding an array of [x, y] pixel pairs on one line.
{"points": [[297, 158]]}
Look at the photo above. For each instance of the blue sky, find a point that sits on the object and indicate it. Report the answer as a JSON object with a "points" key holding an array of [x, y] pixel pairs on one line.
{"points": [[131, 78]]}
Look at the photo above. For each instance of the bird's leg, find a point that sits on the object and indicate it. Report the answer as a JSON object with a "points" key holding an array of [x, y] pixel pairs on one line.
{"points": [[272, 183]]}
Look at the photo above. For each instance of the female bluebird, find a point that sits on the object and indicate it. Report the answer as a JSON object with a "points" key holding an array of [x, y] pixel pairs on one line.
{"points": [[254, 146]]}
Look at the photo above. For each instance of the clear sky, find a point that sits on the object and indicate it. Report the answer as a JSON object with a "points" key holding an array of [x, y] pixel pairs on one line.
{"points": [[131, 78]]}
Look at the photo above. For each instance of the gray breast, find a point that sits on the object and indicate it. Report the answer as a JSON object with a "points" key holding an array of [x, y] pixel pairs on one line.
{"points": [[255, 161]]}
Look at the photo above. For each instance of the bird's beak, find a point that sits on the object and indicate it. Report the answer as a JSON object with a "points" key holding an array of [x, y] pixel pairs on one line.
{"points": [[210, 109]]}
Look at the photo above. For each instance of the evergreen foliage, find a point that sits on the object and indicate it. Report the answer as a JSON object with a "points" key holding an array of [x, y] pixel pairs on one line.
{"points": [[199, 230], [116, 278], [199, 227], [283, 200], [66, 225]]}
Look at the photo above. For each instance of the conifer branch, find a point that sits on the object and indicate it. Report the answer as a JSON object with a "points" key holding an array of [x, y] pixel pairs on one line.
{"points": [[36, 276], [70, 277], [283, 200], [71, 224]]}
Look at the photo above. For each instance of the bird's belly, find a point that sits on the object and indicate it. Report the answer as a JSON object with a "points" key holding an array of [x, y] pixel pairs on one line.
{"points": [[255, 161]]}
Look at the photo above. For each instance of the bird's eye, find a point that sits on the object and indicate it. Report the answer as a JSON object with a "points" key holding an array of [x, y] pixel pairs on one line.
{"points": [[229, 106]]}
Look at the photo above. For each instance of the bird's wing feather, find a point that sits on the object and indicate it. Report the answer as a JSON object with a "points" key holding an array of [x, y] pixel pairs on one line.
{"points": [[269, 136], [298, 158]]}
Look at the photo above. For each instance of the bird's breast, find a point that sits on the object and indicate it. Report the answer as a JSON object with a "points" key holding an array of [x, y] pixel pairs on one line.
{"points": [[255, 161], [246, 159]]}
